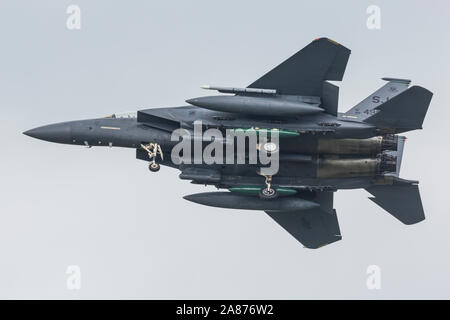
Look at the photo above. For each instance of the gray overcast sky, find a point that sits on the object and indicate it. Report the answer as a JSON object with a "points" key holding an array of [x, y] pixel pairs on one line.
{"points": [[130, 231]]}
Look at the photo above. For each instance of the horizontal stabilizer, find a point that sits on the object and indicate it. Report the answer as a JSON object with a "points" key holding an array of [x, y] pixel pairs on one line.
{"points": [[401, 201], [403, 112], [314, 227]]}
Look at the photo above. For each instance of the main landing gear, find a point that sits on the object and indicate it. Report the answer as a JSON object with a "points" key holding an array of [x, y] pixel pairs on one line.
{"points": [[268, 193], [153, 149]]}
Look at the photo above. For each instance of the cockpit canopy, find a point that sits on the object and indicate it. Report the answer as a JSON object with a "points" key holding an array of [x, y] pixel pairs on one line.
{"points": [[129, 114]]}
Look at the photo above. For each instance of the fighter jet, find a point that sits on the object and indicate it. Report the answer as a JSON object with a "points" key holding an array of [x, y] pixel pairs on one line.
{"points": [[292, 110]]}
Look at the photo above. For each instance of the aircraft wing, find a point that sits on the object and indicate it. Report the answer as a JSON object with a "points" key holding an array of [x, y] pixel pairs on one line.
{"points": [[314, 227], [304, 72]]}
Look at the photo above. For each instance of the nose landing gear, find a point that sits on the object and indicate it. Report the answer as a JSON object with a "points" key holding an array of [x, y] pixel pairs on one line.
{"points": [[153, 149], [154, 167]]}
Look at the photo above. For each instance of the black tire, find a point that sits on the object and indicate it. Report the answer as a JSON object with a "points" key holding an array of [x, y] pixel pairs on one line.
{"points": [[266, 194], [154, 167]]}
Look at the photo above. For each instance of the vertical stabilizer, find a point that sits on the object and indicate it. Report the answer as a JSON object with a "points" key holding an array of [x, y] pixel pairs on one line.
{"points": [[366, 108]]}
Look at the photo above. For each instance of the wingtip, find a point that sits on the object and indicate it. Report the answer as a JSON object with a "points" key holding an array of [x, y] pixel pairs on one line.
{"points": [[405, 81], [327, 39]]}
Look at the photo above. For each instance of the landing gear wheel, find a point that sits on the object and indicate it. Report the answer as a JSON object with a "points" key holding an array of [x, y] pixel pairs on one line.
{"points": [[154, 167], [268, 194]]}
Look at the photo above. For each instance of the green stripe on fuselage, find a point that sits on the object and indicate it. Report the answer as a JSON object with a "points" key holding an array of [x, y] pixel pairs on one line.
{"points": [[254, 190], [269, 132]]}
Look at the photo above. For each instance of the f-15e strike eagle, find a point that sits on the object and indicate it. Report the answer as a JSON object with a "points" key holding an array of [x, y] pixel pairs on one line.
{"points": [[319, 150]]}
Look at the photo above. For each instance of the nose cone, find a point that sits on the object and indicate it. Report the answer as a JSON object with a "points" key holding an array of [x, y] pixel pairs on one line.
{"points": [[59, 132], [205, 102]]}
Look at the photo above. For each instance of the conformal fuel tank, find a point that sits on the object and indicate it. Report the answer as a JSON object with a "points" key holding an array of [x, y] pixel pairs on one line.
{"points": [[257, 105]]}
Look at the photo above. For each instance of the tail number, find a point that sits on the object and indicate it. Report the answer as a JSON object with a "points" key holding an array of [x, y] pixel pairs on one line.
{"points": [[377, 99]]}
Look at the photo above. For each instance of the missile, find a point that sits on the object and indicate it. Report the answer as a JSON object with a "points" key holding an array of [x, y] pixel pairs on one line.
{"points": [[238, 201], [277, 106], [239, 90]]}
